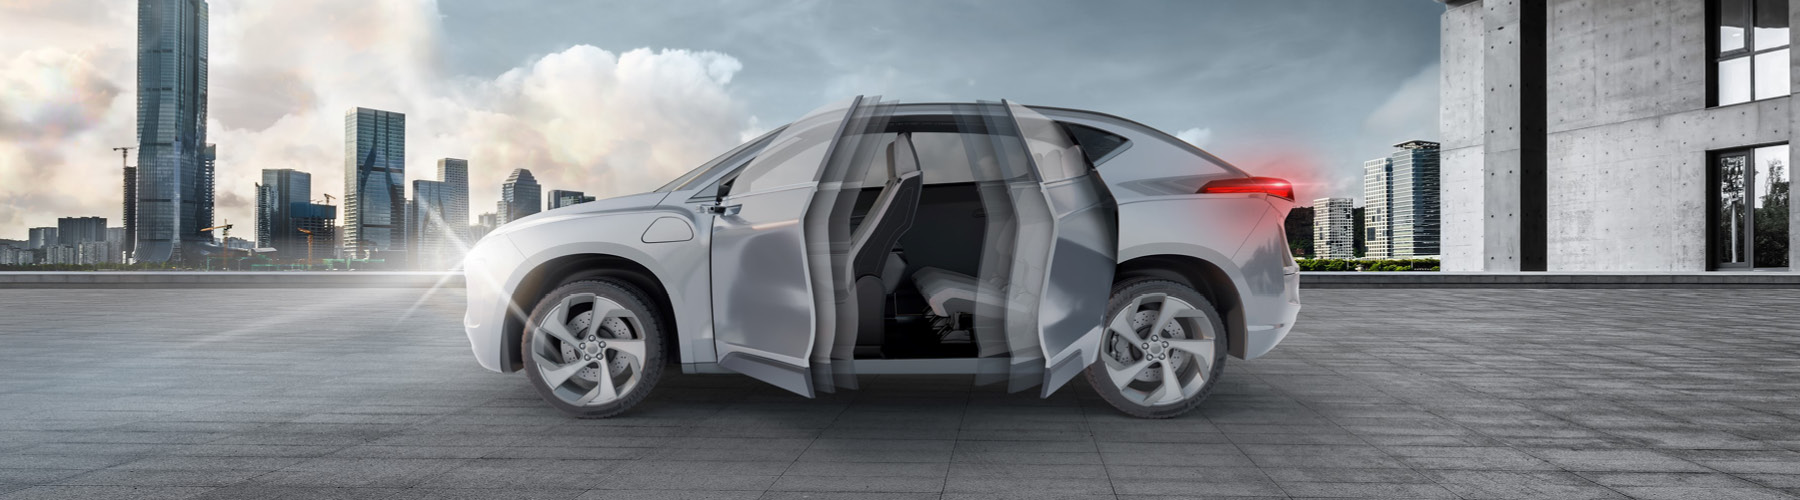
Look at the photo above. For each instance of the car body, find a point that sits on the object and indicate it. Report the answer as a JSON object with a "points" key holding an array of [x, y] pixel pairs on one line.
{"points": [[778, 258]]}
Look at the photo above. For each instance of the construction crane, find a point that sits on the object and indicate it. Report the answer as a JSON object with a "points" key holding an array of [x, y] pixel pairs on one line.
{"points": [[309, 261], [225, 246], [327, 198], [124, 155]]}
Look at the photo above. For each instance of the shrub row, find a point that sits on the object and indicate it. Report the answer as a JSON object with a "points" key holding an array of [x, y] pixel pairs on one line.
{"points": [[1368, 265]]}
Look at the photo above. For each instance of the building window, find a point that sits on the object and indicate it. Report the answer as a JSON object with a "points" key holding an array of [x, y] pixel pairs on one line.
{"points": [[1749, 201], [1752, 51]]}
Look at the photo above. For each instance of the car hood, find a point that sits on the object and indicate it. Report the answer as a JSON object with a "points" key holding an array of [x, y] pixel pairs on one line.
{"points": [[626, 203]]}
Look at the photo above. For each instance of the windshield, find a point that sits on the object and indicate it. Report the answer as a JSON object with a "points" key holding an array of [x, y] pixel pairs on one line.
{"points": [[724, 161]]}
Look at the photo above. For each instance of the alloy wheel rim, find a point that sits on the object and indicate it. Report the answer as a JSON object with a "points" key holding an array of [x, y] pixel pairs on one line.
{"points": [[1158, 350], [589, 350]]}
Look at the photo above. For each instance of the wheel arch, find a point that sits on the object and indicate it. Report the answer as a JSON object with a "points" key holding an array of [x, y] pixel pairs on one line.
{"points": [[554, 272], [1203, 276]]}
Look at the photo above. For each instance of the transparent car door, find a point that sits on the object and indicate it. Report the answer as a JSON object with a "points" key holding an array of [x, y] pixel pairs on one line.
{"points": [[766, 310], [1081, 247]]}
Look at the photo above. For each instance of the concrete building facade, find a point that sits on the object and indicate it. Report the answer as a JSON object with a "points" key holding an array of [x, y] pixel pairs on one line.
{"points": [[1334, 236], [1583, 135]]}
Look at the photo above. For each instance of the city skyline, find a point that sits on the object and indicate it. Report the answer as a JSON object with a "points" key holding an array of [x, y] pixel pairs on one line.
{"points": [[623, 109]]}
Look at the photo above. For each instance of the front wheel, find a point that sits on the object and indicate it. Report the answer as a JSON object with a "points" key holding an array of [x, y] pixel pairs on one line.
{"points": [[1162, 350], [593, 348]]}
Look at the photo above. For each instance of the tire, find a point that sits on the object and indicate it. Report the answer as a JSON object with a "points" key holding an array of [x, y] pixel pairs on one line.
{"points": [[1135, 308], [630, 348]]}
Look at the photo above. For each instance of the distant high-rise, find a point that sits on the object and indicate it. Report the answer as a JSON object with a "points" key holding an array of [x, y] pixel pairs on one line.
{"points": [[1401, 198], [321, 220], [484, 223], [39, 237], [1378, 179], [171, 129], [208, 173], [454, 173], [561, 198], [374, 184], [130, 215], [280, 190], [520, 197], [434, 239], [77, 230], [1333, 237]]}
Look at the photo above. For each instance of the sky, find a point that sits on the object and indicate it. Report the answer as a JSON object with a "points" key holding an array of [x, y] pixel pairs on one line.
{"points": [[614, 97]]}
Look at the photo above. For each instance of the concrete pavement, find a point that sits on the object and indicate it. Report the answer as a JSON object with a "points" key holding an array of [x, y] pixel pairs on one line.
{"points": [[371, 393]]}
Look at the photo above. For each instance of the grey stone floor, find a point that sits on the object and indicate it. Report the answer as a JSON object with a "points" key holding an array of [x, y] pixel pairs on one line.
{"points": [[1378, 394]]}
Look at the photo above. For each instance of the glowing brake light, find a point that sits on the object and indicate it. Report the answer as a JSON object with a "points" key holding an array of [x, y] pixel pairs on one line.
{"points": [[1251, 185]]}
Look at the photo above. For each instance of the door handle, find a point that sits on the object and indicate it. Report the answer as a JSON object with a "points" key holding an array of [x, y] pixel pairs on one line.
{"points": [[723, 209]]}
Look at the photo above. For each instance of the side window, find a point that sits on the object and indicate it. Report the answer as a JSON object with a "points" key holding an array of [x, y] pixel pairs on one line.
{"points": [[1098, 145], [1056, 155]]}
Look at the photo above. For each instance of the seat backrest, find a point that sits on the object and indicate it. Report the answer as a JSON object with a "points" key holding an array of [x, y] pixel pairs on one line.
{"points": [[892, 213]]}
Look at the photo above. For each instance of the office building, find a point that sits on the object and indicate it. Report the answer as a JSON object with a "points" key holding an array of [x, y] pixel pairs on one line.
{"points": [[172, 172], [374, 184], [277, 194], [1617, 136], [130, 212], [519, 196], [1333, 235], [436, 241], [315, 226], [561, 198], [454, 175], [484, 223], [73, 230], [15, 256], [1401, 206], [1378, 176], [40, 237]]}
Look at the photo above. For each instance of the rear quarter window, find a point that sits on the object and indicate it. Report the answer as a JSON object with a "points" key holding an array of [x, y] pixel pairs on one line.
{"points": [[1097, 145]]}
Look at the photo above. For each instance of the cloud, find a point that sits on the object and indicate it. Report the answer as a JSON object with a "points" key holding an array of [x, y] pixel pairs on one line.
{"points": [[1199, 137], [1411, 112], [284, 73]]}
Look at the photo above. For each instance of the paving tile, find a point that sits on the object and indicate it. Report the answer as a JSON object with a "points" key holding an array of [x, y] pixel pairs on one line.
{"points": [[1536, 394]]}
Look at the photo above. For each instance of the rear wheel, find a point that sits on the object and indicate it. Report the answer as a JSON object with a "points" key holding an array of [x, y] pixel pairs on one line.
{"points": [[1162, 351], [593, 348]]}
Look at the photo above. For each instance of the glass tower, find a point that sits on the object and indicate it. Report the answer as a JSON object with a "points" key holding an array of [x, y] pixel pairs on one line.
{"points": [[374, 184], [1401, 216], [171, 129], [276, 195], [520, 196]]}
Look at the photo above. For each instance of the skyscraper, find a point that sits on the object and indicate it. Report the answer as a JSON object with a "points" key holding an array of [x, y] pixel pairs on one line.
{"points": [[171, 128], [561, 198], [130, 237], [455, 175], [433, 246], [1333, 237], [520, 196], [1378, 178], [276, 196], [374, 184], [1401, 199]]}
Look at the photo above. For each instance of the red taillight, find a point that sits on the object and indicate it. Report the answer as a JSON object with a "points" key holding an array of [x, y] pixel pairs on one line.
{"points": [[1248, 185]]}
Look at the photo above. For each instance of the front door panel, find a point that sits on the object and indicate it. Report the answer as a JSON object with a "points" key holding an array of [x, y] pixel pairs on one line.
{"points": [[765, 316]]}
